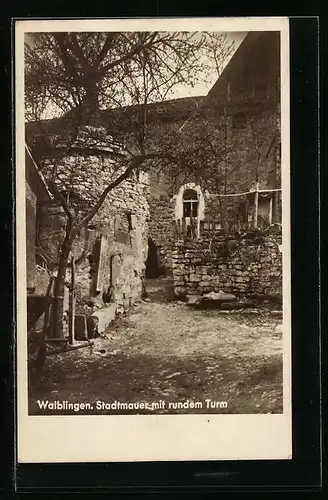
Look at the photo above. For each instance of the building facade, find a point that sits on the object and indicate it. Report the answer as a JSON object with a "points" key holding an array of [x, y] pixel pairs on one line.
{"points": [[242, 187], [37, 195], [111, 249], [230, 181]]}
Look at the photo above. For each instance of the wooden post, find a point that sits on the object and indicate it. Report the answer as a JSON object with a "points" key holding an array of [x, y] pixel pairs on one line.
{"points": [[87, 343], [71, 327], [277, 175], [178, 222], [225, 201], [256, 204], [42, 351], [192, 227], [270, 211], [183, 228]]}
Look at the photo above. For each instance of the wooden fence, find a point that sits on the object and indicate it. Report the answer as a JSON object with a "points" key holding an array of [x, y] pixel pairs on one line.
{"points": [[261, 209]]}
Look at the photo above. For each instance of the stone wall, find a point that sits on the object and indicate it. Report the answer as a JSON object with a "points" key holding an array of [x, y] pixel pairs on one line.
{"points": [[37, 278], [252, 156], [161, 208], [243, 265], [111, 251], [30, 208]]}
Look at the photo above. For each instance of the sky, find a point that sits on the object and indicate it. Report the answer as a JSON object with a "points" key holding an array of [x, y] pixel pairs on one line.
{"points": [[179, 91], [202, 88]]}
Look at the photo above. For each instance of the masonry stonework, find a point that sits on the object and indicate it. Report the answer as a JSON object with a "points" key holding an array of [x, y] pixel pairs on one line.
{"points": [[241, 114], [247, 265], [252, 160], [161, 208], [30, 236], [112, 249]]}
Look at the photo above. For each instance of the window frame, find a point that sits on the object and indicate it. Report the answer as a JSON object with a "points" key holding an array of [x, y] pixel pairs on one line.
{"points": [[192, 208]]}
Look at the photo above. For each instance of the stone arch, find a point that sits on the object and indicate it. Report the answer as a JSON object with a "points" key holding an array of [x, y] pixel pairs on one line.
{"points": [[191, 187]]}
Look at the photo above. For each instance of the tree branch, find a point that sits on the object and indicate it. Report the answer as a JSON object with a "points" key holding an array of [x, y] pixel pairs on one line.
{"points": [[59, 197], [105, 48], [136, 50], [136, 162]]}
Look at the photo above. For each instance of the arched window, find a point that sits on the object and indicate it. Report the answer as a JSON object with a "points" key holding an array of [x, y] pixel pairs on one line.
{"points": [[190, 203]]}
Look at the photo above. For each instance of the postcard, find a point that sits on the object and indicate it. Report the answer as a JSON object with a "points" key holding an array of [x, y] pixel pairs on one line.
{"points": [[153, 239]]}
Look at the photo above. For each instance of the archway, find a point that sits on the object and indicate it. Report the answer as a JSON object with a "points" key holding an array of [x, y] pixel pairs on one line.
{"points": [[190, 203], [153, 269], [190, 206]]}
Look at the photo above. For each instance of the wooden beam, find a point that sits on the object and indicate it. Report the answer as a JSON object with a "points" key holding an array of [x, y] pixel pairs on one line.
{"points": [[70, 348]]}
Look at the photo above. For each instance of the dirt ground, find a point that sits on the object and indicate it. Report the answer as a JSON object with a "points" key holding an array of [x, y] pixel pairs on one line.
{"points": [[170, 356]]}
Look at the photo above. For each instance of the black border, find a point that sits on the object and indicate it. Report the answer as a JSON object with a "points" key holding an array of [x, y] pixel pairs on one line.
{"points": [[303, 472]]}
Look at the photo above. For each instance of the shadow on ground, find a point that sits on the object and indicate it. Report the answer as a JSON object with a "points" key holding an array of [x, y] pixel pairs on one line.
{"points": [[163, 351]]}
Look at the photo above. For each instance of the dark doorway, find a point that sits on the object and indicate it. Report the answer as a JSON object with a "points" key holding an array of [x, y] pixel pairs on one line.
{"points": [[153, 269]]}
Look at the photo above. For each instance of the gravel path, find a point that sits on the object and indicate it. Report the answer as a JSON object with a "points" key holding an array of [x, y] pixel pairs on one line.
{"points": [[170, 356]]}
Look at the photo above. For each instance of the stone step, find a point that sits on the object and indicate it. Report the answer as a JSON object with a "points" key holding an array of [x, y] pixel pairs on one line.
{"points": [[219, 297], [105, 316]]}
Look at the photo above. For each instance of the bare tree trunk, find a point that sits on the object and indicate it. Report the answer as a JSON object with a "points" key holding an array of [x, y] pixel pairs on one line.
{"points": [[90, 106], [71, 331], [275, 199], [57, 325], [256, 205], [277, 180]]}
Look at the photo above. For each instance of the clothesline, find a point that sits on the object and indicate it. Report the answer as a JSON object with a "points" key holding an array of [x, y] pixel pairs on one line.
{"points": [[248, 192]]}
